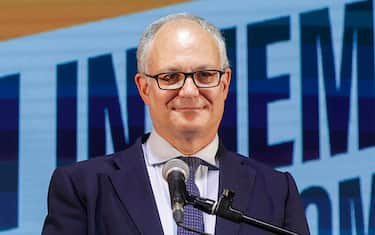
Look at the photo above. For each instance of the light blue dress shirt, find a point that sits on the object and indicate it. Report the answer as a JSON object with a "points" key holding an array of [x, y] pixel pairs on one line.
{"points": [[157, 151]]}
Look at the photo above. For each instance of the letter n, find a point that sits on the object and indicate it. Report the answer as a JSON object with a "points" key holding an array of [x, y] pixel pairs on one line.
{"points": [[103, 102]]}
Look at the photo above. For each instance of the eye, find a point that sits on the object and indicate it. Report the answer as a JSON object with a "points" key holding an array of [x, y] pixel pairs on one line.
{"points": [[170, 78], [164, 76], [206, 75], [175, 76]]}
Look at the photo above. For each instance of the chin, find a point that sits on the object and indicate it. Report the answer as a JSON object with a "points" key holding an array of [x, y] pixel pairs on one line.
{"points": [[193, 116], [190, 127], [191, 121]]}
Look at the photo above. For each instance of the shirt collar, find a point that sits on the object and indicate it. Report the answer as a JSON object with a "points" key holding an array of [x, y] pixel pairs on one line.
{"points": [[161, 151]]}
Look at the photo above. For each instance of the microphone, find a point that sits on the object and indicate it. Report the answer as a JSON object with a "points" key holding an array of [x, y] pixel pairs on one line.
{"points": [[176, 172]]}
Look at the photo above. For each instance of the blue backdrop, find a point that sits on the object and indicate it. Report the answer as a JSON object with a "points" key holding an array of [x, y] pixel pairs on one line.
{"points": [[302, 99]]}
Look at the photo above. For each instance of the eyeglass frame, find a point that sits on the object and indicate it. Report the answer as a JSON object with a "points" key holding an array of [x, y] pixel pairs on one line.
{"points": [[186, 75]]}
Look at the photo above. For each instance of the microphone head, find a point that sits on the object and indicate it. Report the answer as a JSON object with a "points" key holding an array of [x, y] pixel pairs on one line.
{"points": [[175, 165]]}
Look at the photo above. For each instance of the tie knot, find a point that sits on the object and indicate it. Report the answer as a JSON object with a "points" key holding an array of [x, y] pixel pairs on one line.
{"points": [[193, 163]]}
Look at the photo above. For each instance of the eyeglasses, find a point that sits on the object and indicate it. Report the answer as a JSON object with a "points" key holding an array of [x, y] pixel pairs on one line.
{"points": [[176, 80]]}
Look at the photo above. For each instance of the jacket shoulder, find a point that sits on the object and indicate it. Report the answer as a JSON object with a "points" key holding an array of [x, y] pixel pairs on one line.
{"points": [[257, 166], [94, 165]]}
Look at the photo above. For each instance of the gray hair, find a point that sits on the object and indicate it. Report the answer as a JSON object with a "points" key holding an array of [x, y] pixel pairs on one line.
{"points": [[150, 32]]}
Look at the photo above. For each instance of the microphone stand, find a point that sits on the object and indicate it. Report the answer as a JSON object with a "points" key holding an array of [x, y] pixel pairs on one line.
{"points": [[223, 208]]}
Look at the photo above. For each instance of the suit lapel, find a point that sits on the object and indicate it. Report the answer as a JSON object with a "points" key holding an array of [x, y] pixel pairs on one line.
{"points": [[133, 187], [236, 175]]}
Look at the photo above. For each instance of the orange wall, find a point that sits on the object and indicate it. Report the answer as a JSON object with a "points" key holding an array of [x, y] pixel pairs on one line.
{"points": [[23, 17]]}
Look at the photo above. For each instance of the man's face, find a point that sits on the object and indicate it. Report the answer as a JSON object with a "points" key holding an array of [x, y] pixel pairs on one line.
{"points": [[190, 111]]}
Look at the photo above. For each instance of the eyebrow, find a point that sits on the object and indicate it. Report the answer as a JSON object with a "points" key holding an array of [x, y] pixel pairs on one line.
{"points": [[201, 67]]}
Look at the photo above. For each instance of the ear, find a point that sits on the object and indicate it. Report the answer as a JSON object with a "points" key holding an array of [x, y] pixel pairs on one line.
{"points": [[225, 80], [143, 87]]}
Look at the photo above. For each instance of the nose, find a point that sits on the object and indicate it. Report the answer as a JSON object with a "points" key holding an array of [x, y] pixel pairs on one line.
{"points": [[189, 89]]}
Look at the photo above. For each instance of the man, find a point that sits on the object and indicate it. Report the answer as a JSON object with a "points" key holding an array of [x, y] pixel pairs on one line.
{"points": [[183, 77]]}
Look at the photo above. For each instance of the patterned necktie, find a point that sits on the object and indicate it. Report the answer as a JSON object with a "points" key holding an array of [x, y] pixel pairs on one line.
{"points": [[193, 217]]}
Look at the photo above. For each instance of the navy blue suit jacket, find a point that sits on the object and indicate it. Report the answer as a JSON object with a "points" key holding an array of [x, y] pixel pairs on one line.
{"points": [[112, 195]]}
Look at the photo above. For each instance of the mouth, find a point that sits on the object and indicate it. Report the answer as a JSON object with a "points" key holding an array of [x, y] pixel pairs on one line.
{"points": [[187, 108], [188, 105]]}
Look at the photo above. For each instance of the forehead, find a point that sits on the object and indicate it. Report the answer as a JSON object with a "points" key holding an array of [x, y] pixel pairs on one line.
{"points": [[183, 41], [180, 24]]}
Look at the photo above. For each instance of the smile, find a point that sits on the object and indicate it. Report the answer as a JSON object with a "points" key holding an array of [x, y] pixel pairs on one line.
{"points": [[187, 108]]}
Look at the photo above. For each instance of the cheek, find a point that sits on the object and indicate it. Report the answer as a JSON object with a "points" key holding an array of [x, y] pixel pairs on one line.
{"points": [[217, 101], [213, 97], [159, 100]]}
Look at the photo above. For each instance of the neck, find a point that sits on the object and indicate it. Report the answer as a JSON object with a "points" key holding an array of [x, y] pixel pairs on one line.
{"points": [[189, 143]]}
